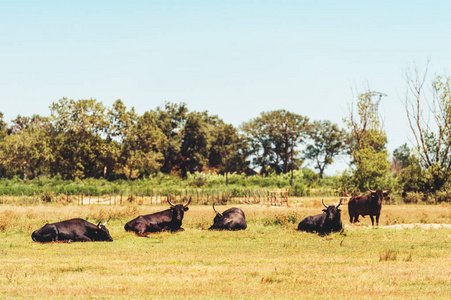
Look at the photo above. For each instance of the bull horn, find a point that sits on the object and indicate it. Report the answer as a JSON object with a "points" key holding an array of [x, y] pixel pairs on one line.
{"points": [[344, 192], [324, 204], [187, 203], [98, 224], [371, 191], [170, 203], [217, 212], [339, 203], [386, 192], [104, 224]]}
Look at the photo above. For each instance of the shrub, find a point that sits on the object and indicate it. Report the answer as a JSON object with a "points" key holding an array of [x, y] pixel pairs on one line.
{"points": [[388, 255]]}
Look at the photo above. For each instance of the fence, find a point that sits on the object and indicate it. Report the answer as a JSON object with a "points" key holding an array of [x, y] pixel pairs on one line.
{"points": [[155, 196]]}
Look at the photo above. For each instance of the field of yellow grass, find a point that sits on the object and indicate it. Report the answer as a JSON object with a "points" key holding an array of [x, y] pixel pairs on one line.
{"points": [[268, 260]]}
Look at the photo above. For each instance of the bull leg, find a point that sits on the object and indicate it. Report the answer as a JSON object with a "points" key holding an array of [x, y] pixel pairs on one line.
{"points": [[377, 220], [140, 229], [154, 228], [372, 220], [81, 239]]}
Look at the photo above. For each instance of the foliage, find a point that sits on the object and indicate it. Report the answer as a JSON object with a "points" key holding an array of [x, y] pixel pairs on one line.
{"points": [[407, 170], [27, 148], [431, 130], [273, 138], [366, 145], [326, 142]]}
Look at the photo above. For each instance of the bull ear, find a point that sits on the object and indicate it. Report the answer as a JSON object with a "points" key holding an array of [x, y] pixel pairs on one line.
{"points": [[169, 201]]}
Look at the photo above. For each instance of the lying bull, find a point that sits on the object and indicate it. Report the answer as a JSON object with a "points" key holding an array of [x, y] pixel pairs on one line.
{"points": [[167, 220], [366, 205], [325, 223], [231, 219], [74, 230]]}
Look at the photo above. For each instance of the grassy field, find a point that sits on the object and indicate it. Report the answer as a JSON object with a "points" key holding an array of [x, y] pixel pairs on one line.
{"points": [[268, 260]]}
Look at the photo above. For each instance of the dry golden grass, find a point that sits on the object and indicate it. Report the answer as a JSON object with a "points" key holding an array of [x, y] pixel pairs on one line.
{"points": [[268, 260]]}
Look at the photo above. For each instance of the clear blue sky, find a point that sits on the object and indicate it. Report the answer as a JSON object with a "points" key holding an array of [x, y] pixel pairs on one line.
{"points": [[232, 58]]}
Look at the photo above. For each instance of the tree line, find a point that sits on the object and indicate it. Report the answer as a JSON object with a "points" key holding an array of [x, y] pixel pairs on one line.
{"points": [[85, 139]]}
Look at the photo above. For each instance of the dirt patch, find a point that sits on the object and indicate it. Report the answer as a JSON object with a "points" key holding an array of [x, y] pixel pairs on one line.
{"points": [[417, 225]]}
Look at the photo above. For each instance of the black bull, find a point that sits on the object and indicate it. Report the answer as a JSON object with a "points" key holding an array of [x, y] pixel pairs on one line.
{"points": [[366, 205], [324, 223], [75, 230], [231, 219], [166, 220]]}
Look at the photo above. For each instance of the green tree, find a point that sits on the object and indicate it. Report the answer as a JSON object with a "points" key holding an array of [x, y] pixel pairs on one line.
{"points": [[274, 137], [121, 127], [431, 128], [197, 141], [407, 169], [171, 119], [326, 141], [143, 142], [78, 128], [26, 149], [366, 145], [228, 151], [2, 127]]}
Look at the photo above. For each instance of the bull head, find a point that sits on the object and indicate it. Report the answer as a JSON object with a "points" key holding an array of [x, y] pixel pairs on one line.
{"points": [[102, 233], [217, 212]]}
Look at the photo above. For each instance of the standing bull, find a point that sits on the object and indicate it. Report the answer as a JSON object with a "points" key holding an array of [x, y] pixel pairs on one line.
{"points": [[231, 219], [73, 230], [324, 223], [166, 220], [366, 205]]}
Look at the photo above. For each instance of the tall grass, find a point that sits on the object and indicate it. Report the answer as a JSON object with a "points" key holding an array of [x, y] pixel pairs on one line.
{"points": [[239, 184]]}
